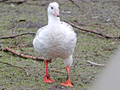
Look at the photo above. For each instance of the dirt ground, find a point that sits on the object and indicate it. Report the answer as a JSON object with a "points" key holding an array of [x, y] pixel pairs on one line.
{"points": [[20, 16]]}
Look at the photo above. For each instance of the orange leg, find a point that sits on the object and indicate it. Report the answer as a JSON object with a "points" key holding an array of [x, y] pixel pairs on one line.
{"points": [[68, 82], [46, 77]]}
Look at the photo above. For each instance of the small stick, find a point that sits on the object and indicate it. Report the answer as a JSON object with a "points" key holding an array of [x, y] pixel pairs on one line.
{"points": [[6, 37], [16, 66], [74, 3], [95, 32], [95, 64], [53, 70], [15, 2], [38, 71], [23, 55], [115, 23]]}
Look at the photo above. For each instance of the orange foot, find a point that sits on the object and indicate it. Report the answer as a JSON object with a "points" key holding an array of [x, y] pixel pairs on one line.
{"points": [[67, 83], [48, 80]]}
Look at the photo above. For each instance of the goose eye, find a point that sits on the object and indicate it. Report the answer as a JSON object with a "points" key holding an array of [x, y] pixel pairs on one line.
{"points": [[51, 7]]}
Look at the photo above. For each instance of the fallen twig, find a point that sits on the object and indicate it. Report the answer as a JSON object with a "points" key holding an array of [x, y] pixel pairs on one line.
{"points": [[18, 2], [23, 55], [38, 71], [6, 37], [94, 25], [95, 64], [74, 3], [43, 4], [115, 23], [95, 32], [16, 66], [58, 71], [112, 1]]}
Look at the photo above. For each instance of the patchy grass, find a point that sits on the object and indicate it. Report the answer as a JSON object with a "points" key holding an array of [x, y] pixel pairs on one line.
{"points": [[89, 46]]}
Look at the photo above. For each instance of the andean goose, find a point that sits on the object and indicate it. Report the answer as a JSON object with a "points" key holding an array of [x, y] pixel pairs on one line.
{"points": [[57, 39]]}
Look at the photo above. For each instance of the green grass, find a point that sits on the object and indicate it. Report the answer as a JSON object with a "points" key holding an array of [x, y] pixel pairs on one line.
{"points": [[89, 46]]}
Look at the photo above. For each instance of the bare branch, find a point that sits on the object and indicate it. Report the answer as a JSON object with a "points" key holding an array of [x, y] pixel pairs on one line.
{"points": [[74, 3], [6, 37], [115, 23], [15, 2], [16, 66], [95, 32], [23, 55], [95, 64]]}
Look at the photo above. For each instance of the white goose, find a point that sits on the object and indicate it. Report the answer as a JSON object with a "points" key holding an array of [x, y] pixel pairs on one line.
{"points": [[57, 39]]}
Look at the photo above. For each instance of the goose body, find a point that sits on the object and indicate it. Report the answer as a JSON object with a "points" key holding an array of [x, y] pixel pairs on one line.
{"points": [[57, 39]]}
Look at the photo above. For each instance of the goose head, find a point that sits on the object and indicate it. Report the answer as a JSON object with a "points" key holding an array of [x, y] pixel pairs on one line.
{"points": [[53, 9]]}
